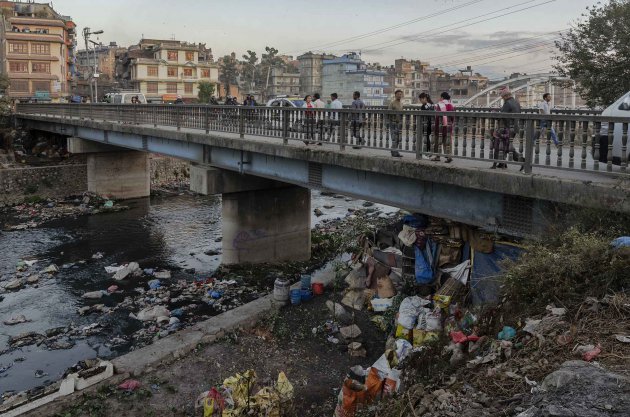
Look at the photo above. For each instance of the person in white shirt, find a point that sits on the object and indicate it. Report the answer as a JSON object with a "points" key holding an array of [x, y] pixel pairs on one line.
{"points": [[320, 115], [545, 109], [335, 104]]}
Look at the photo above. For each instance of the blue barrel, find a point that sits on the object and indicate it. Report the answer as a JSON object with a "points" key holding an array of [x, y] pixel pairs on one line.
{"points": [[306, 294], [305, 282], [296, 296]]}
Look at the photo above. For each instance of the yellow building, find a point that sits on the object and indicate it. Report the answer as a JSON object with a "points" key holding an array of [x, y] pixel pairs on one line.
{"points": [[165, 69], [37, 51]]}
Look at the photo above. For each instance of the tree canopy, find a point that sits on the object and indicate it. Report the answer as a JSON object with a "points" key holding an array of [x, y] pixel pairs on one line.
{"points": [[206, 91], [596, 52], [228, 71]]}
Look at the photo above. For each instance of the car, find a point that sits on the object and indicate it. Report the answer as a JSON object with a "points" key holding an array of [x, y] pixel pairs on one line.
{"points": [[620, 108], [125, 98], [285, 102]]}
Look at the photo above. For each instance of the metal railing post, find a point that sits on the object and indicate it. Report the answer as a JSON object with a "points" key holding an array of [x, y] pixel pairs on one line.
{"points": [[207, 121], [284, 114], [419, 136], [530, 136], [178, 117], [241, 122], [343, 117]]}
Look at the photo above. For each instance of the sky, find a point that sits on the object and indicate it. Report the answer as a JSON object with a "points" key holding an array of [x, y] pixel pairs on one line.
{"points": [[516, 35]]}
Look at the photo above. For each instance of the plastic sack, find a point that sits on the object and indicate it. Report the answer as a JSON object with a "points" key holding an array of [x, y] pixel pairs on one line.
{"points": [[407, 235], [423, 270], [213, 403], [409, 310]]}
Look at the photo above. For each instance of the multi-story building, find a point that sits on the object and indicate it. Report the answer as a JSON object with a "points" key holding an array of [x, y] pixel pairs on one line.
{"points": [[310, 68], [347, 74], [37, 51], [283, 83], [165, 69], [105, 57]]}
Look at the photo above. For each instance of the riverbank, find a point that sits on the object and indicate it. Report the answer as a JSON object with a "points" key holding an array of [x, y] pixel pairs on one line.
{"points": [[180, 234]]}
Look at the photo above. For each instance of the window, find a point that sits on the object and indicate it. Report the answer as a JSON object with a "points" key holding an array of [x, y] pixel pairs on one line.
{"points": [[18, 48], [152, 87], [188, 88], [41, 67], [171, 55], [171, 72], [205, 73], [40, 49], [19, 86], [152, 71], [187, 72], [41, 86], [171, 88], [17, 66], [190, 56]]}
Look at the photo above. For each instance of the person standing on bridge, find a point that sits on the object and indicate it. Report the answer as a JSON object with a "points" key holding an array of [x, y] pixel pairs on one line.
{"points": [[545, 109], [501, 139], [443, 126], [319, 104], [357, 119], [427, 105], [309, 119], [395, 122], [335, 104]]}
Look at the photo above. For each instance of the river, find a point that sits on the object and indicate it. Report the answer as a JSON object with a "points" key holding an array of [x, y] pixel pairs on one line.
{"points": [[159, 232]]}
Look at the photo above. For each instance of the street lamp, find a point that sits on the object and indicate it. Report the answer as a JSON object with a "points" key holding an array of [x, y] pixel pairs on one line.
{"points": [[94, 74]]}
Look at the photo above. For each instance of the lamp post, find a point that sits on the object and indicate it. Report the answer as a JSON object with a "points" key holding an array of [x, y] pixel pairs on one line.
{"points": [[94, 74]]}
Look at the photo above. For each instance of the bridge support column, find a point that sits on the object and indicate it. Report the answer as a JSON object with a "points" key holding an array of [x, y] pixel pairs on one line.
{"points": [[267, 225], [263, 220], [120, 175], [113, 171]]}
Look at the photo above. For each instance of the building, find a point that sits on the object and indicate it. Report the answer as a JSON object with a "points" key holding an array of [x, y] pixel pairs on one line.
{"points": [[105, 57], [310, 69], [37, 50], [282, 83], [347, 74], [165, 69]]}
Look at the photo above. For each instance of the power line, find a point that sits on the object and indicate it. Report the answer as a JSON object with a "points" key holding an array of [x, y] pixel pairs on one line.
{"points": [[495, 45], [460, 27], [389, 28], [496, 54]]}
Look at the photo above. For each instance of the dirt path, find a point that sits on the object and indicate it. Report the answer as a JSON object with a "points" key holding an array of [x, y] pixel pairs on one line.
{"points": [[282, 342]]}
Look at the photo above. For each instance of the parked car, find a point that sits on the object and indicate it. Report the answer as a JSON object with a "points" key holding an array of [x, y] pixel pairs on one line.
{"points": [[620, 108], [285, 102], [125, 98]]}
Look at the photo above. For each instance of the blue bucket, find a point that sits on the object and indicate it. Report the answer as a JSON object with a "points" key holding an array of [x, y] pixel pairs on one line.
{"points": [[305, 282], [296, 296], [306, 294]]}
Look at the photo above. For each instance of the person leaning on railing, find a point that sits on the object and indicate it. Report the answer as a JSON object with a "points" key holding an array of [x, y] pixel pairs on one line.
{"points": [[427, 105]]}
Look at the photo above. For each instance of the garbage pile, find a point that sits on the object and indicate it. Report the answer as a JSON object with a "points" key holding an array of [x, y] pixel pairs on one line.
{"points": [[238, 396], [38, 211]]}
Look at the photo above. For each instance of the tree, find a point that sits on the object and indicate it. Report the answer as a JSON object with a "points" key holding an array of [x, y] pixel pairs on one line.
{"points": [[595, 53], [250, 70], [206, 91], [228, 71], [270, 60]]}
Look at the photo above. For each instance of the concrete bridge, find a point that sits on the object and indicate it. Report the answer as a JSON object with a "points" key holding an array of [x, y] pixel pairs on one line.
{"points": [[265, 161]]}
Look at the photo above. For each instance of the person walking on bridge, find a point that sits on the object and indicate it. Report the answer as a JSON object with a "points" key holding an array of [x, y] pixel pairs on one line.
{"points": [[357, 119], [335, 104], [545, 109], [443, 126], [319, 116], [501, 139], [395, 122]]}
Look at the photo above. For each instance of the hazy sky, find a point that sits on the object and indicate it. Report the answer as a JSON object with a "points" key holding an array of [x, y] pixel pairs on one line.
{"points": [[447, 33]]}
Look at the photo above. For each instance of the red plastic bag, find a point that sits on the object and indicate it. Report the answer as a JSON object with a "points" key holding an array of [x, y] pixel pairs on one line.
{"points": [[592, 354], [130, 385]]}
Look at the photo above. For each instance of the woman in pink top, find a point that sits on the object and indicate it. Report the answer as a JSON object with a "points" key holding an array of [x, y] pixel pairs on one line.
{"points": [[443, 127], [309, 119]]}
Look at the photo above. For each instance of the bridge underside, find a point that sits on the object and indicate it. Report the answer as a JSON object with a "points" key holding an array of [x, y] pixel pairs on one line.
{"points": [[508, 203]]}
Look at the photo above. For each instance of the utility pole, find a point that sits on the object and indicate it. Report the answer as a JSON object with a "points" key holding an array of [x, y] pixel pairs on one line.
{"points": [[94, 74]]}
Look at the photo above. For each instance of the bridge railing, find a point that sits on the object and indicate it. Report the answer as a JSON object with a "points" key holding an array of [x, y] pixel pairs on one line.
{"points": [[582, 142]]}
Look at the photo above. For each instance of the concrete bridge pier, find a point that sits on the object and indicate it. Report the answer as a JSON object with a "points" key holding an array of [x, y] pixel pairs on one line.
{"points": [[263, 220], [113, 171]]}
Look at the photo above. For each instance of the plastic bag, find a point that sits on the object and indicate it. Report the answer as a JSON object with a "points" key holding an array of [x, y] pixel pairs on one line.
{"points": [[423, 270], [409, 310]]}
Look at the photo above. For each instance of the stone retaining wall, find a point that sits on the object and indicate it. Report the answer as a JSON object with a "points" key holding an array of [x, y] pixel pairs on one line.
{"points": [[167, 171], [57, 181]]}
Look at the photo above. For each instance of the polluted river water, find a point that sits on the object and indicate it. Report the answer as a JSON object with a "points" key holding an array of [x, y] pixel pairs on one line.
{"points": [[177, 233]]}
